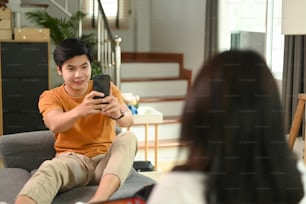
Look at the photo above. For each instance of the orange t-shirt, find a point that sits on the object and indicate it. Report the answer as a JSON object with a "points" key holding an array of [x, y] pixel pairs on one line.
{"points": [[90, 135]]}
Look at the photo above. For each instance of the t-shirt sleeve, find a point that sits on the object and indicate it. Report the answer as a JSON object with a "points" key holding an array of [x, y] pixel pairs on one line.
{"points": [[47, 102], [117, 93]]}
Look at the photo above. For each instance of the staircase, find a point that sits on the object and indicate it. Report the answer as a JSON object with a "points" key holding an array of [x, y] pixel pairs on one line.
{"points": [[161, 82]]}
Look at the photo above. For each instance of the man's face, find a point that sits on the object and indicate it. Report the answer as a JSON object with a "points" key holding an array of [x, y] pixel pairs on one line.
{"points": [[76, 73]]}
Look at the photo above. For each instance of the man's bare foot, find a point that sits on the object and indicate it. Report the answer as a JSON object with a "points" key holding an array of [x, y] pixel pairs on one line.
{"points": [[24, 200], [108, 185]]}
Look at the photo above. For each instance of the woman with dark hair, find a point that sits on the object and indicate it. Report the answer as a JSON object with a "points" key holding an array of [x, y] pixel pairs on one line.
{"points": [[233, 126]]}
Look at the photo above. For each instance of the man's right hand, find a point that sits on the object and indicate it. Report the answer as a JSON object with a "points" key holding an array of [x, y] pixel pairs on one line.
{"points": [[90, 104]]}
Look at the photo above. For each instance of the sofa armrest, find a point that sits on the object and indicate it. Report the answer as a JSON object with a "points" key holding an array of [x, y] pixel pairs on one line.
{"points": [[26, 150]]}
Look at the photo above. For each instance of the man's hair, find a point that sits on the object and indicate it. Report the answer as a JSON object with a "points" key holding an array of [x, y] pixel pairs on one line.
{"points": [[70, 48]]}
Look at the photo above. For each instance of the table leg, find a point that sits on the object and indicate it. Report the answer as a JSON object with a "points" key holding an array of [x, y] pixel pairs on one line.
{"points": [[296, 123], [156, 147], [146, 141]]}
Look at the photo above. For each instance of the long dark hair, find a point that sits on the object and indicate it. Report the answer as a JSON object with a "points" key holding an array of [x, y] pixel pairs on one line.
{"points": [[232, 121]]}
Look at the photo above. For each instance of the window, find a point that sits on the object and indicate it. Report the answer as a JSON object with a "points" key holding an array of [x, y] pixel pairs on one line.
{"points": [[255, 25], [116, 11]]}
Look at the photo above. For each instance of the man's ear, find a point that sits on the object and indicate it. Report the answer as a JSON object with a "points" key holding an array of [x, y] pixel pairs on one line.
{"points": [[59, 71]]}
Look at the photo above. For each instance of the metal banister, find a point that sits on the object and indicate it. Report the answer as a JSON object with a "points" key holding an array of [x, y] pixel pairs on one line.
{"points": [[109, 50]]}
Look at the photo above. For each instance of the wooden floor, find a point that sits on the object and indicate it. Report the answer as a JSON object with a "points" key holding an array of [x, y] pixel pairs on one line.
{"points": [[165, 167]]}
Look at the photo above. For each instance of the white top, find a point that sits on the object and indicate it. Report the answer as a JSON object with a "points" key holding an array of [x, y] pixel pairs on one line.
{"points": [[301, 167], [179, 188], [187, 187]]}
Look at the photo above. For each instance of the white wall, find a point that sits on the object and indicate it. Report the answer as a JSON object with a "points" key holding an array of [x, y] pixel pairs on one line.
{"points": [[175, 26], [178, 26]]}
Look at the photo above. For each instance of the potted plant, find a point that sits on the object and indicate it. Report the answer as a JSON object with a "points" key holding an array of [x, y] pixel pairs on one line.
{"points": [[64, 28]]}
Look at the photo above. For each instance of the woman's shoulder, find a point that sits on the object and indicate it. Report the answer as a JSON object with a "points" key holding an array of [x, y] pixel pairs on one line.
{"points": [[191, 176], [302, 169], [179, 187], [184, 179], [301, 166]]}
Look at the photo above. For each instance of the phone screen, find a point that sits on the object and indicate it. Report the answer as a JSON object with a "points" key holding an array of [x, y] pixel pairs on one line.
{"points": [[101, 83]]}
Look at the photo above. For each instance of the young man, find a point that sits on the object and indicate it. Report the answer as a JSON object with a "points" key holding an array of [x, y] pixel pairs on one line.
{"points": [[87, 148]]}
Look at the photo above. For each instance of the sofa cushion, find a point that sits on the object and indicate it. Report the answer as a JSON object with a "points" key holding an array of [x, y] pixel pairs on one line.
{"points": [[16, 150], [26, 151], [134, 183], [13, 179], [76, 194], [11, 182]]}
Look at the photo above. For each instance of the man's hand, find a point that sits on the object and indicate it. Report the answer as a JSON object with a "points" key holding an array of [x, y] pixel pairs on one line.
{"points": [[108, 106], [91, 105], [111, 107]]}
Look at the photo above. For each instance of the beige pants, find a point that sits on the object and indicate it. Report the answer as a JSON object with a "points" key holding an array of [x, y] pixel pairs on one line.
{"points": [[68, 170]]}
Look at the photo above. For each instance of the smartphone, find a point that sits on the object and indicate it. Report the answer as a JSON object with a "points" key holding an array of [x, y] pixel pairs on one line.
{"points": [[101, 83]]}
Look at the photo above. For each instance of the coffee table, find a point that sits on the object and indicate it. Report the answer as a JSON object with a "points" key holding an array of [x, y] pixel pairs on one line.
{"points": [[149, 116]]}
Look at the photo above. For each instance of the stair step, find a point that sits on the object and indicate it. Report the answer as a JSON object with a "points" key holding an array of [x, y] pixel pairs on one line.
{"points": [[161, 82], [34, 5], [162, 99], [144, 79], [166, 120], [156, 88], [149, 70], [162, 144], [171, 119]]}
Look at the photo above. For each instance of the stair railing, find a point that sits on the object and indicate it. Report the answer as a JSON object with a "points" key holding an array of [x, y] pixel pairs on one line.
{"points": [[108, 49]]}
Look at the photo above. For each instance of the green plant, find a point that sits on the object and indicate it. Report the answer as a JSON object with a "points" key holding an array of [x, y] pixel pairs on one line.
{"points": [[95, 68], [63, 28]]}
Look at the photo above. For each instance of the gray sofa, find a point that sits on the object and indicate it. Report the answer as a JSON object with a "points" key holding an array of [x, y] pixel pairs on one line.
{"points": [[22, 153]]}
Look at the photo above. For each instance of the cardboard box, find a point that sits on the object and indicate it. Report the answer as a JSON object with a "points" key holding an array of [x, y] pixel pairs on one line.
{"points": [[5, 13], [32, 34], [5, 24], [6, 34], [5, 19]]}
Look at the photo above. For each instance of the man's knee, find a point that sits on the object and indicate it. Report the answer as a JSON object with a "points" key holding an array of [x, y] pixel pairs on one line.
{"points": [[126, 139]]}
